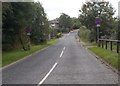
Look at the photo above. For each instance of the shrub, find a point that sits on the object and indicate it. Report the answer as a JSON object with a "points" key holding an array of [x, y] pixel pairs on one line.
{"points": [[86, 34], [91, 36], [59, 35], [65, 30]]}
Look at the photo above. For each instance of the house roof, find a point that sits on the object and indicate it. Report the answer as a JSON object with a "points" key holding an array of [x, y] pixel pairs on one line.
{"points": [[55, 21]]}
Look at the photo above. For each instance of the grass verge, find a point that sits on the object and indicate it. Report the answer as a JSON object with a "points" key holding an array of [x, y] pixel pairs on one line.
{"points": [[12, 56], [109, 56], [87, 42]]}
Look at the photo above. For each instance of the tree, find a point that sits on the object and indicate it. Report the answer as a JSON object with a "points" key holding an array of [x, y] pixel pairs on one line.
{"points": [[90, 10], [19, 16], [16, 16], [118, 30], [7, 33], [65, 21], [41, 28], [76, 23]]}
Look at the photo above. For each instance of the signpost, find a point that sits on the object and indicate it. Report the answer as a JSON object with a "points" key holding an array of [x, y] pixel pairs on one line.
{"points": [[28, 30], [98, 22]]}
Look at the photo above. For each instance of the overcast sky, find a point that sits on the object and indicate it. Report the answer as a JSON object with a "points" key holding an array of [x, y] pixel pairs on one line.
{"points": [[53, 8]]}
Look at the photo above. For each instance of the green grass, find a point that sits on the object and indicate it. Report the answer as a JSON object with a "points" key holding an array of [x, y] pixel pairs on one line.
{"points": [[109, 56], [114, 46], [88, 43], [12, 56]]}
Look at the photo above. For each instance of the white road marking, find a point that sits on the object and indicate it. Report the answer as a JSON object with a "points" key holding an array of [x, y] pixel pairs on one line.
{"points": [[62, 52], [47, 74], [51, 69], [26, 57]]}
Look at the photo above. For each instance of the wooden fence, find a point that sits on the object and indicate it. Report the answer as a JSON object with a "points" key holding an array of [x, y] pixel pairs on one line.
{"points": [[109, 44]]}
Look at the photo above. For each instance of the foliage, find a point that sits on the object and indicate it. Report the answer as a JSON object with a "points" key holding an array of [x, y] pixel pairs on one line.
{"points": [[75, 23], [85, 34], [16, 18], [118, 30], [65, 21], [115, 32], [40, 25], [90, 10], [54, 32], [14, 22], [59, 35], [65, 30]]}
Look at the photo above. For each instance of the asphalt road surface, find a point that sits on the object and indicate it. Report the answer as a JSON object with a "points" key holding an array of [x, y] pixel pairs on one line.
{"points": [[65, 62]]}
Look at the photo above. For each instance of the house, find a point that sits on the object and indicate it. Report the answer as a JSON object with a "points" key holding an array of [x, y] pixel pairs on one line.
{"points": [[54, 24]]}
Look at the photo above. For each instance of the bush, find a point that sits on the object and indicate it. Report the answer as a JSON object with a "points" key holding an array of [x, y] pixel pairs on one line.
{"points": [[86, 34], [65, 30], [59, 35], [91, 36]]}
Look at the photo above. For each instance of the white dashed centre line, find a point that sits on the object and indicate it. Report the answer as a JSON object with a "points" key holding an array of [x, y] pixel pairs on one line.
{"points": [[51, 69], [62, 52], [47, 74]]}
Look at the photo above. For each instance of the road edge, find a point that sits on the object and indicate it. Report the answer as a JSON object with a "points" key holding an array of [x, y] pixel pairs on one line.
{"points": [[15, 62], [103, 61]]}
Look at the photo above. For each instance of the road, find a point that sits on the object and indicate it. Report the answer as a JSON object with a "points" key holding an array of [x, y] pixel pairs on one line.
{"points": [[65, 62]]}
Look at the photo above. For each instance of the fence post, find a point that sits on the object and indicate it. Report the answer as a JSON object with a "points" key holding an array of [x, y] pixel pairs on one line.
{"points": [[106, 44], [99, 43], [102, 44], [117, 47], [111, 45]]}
